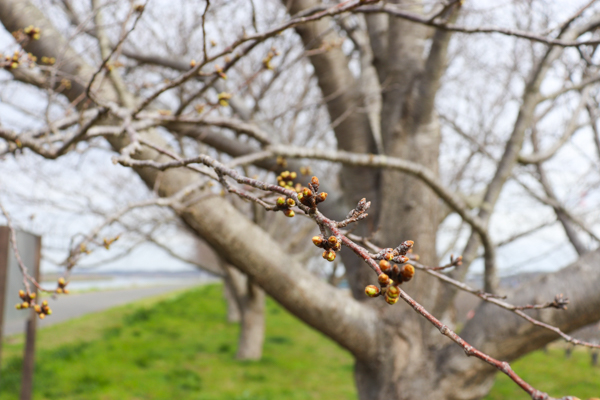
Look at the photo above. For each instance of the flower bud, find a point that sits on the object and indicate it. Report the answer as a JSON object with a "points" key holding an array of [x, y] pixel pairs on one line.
{"points": [[332, 240], [407, 272], [300, 196], [329, 255], [385, 266], [32, 296], [42, 315], [66, 291], [372, 291], [37, 308], [22, 294], [393, 292], [44, 303], [49, 312], [25, 305], [391, 301], [337, 247], [59, 290], [291, 202], [61, 281], [18, 306], [289, 213], [321, 197], [318, 240], [293, 175], [306, 192], [285, 174], [315, 181], [388, 256], [281, 201], [384, 280]]}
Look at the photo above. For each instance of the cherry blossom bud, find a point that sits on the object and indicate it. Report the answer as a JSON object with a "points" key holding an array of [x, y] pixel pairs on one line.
{"points": [[388, 256], [289, 213], [281, 201], [407, 272], [384, 280], [391, 301], [291, 202], [321, 197], [315, 181], [306, 192], [393, 292], [372, 291], [385, 266], [318, 240]]}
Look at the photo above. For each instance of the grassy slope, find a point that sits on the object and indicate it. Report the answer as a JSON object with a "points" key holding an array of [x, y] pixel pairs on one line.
{"points": [[180, 347]]}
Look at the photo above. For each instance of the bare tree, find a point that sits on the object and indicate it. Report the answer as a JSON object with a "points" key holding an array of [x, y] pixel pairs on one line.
{"points": [[427, 110]]}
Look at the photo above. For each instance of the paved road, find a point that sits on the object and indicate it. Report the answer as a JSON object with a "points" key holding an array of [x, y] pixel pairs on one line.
{"points": [[76, 305]]}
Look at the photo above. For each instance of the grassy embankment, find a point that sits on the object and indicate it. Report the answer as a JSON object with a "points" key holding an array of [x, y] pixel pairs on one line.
{"points": [[180, 347]]}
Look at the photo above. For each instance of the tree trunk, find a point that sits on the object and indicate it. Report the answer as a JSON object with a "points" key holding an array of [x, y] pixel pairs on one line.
{"points": [[234, 314], [252, 328]]}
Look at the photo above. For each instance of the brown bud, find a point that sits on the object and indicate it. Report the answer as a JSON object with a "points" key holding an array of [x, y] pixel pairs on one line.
{"points": [[22, 294], [332, 240], [385, 266], [315, 181], [384, 279], [37, 308], [307, 192], [318, 240], [372, 291], [61, 281], [44, 303], [32, 296], [289, 213], [281, 201], [393, 292], [338, 246], [291, 202], [25, 305], [330, 256], [321, 197], [407, 272], [391, 301], [388, 256]]}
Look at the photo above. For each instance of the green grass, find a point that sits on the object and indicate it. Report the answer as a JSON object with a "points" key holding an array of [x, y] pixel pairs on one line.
{"points": [[552, 373], [179, 346]]}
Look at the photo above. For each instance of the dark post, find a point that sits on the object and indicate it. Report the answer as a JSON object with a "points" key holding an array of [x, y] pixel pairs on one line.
{"points": [[3, 274], [29, 356]]}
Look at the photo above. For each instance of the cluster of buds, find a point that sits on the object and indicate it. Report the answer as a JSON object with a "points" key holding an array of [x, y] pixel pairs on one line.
{"points": [[330, 246], [17, 60], [42, 310], [62, 286], [28, 300], [286, 179], [24, 35], [33, 32], [392, 275], [310, 196], [285, 205]]}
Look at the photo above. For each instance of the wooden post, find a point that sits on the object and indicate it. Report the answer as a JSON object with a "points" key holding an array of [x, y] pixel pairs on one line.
{"points": [[29, 355], [4, 246]]}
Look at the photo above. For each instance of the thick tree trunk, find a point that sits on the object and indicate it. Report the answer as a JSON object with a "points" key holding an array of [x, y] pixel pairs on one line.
{"points": [[252, 328]]}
